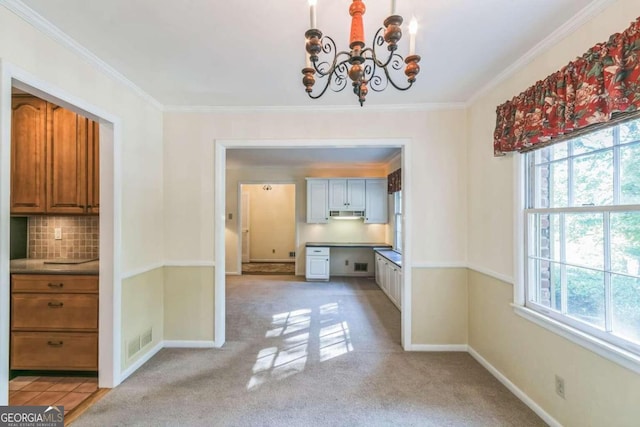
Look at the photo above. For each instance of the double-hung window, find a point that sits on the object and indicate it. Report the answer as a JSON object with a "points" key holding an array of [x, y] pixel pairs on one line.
{"points": [[582, 233]]}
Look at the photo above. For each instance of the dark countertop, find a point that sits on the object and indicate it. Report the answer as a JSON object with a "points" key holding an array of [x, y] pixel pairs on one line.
{"points": [[38, 266], [347, 245], [392, 256]]}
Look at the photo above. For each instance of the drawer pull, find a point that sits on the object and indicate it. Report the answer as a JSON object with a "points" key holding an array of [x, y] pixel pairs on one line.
{"points": [[55, 304], [55, 343], [56, 285]]}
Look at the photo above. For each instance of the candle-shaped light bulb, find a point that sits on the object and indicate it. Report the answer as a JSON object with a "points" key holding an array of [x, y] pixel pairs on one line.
{"points": [[413, 29], [312, 13], [393, 7]]}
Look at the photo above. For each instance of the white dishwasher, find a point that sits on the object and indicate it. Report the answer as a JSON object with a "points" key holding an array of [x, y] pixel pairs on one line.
{"points": [[317, 263]]}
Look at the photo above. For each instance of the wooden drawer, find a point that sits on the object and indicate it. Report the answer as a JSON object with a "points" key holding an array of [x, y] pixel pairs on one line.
{"points": [[51, 312], [54, 351], [54, 283]]}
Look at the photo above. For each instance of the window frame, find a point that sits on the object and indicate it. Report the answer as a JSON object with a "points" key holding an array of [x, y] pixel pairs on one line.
{"points": [[605, 344], [397, 221]]}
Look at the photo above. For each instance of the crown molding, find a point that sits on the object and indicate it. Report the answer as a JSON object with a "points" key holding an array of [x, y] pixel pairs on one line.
{"points": [[40, 23], [552, 39], [315, 108]]}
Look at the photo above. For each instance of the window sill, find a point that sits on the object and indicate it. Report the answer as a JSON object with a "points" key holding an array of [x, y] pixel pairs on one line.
{"points": [[608, 351]]}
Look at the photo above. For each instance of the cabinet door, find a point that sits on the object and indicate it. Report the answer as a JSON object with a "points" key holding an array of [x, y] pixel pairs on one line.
{"points": [[379, 269], [93, 168], [67, 162], [28, 143], [317, 198], [338, 195], [400, 287], [356, 194], [376, 202], [317, 267]]}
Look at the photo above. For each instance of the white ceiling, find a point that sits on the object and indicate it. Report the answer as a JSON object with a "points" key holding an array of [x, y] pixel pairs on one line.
{"points": [[249, 53]]}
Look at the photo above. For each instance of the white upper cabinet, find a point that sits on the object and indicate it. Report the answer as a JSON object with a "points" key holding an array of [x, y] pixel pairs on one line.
{"points": [[376, 201], [317, 201], [347, 194], [366, 195]]}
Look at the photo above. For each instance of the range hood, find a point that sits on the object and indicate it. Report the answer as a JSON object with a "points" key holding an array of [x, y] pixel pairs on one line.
{"points": [[346, 214]]}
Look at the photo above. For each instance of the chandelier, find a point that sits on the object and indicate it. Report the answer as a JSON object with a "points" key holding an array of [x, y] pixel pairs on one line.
{"points": [[363, 65]]}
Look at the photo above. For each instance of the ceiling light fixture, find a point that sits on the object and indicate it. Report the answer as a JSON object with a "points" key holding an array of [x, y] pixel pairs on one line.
{"points": [[361, 64]]}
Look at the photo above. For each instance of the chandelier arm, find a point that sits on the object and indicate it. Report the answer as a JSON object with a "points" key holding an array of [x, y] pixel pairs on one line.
{"points": [[334, 75], [378, 41]]}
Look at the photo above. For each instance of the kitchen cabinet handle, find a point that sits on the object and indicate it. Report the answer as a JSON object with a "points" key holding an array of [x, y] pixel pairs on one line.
{"points": [[55, 343], [55, 304], [56, 285]]}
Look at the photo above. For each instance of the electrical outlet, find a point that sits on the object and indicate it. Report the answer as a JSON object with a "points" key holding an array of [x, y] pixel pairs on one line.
{"points": [[273, 251], [560, 386], [57, 233]]}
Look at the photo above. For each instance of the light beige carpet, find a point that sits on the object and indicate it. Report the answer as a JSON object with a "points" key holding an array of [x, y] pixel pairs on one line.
{"points": [[309, 354]]}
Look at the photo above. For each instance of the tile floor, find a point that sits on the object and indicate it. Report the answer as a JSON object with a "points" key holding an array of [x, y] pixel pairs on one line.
{"points": [[66, 391]]}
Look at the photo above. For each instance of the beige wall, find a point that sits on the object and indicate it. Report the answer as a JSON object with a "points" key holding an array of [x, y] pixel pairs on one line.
{"points": [[188, 303], [142, 220], [438, 171], [142, 309], [598, 392], [439, 307], [272, 221]]}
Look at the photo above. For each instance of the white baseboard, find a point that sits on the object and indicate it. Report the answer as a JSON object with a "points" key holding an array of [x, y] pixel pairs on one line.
{"points": [[515, 390], [189, 344], [437, 347], [138, 363]]}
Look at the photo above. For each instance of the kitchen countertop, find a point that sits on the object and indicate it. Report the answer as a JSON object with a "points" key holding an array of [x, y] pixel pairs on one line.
{"points": [[347, 245], [393, 256], [38, 266]]}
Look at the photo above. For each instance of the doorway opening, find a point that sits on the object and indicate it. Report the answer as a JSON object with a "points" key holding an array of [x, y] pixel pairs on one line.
{"points": [[107, 283], [268, 153], [267, 228]]}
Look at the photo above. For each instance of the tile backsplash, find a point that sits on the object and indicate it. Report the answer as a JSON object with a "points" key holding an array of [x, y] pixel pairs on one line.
{"points": [[80, 237]]}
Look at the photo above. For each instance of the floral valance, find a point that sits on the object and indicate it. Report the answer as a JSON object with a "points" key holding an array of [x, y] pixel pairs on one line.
{"points": [[589, 90], [394, 181]]}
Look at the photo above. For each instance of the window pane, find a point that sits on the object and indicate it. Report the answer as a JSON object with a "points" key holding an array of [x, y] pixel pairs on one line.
{"points": [[585, 295], [593, 141], [584, 239], [625, 243], [593, 179], [630, 131], [559, 184], [630, 174], [555, 286], [553, 152], [626, 301], [552, 185]]}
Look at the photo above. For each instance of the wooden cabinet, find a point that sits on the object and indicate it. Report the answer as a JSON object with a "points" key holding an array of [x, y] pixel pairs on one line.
{"points": [[55, 169], [318, 261], [346, 194], [28, 148], [317, 201], [376, 201], [54, 322]]}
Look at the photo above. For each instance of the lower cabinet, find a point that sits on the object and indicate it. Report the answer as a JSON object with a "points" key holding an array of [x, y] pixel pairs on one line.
{"points": [[54, 322], [389, 278], [317, 263]]}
